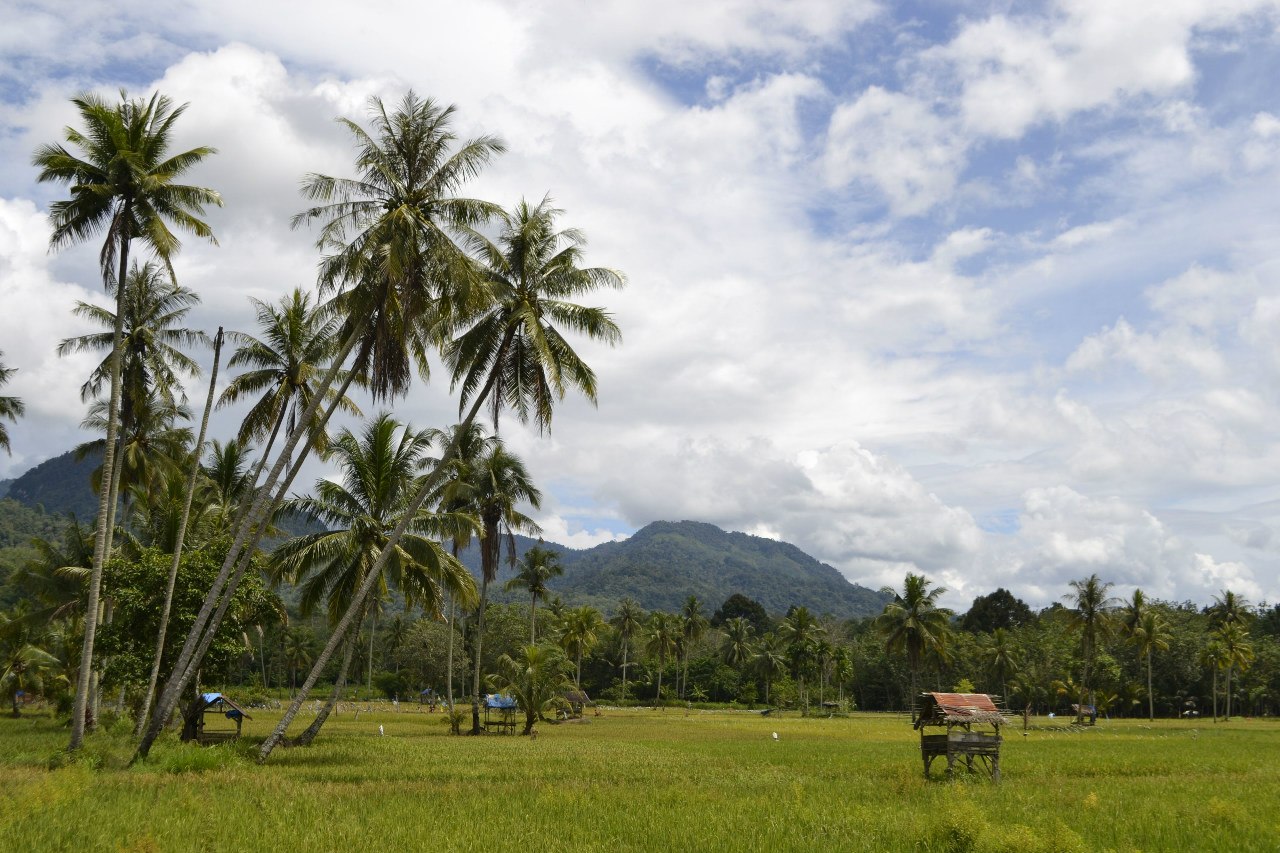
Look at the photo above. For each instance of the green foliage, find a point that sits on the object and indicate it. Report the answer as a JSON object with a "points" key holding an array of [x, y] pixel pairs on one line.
{"points": [[127, 642]]}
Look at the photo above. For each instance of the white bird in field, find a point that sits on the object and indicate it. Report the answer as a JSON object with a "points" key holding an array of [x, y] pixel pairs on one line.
{"points": [[381, 733], [775, 735]]}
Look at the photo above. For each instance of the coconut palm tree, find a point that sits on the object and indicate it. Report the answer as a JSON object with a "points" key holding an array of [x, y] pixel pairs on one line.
{"points": [[514, 350], [1237, 654], [500, 483], [1000, 657], [801, 632], [380, 469], [769, 661], [11, 408], [694, 626], [579, 635], [737, 648], [1150, 634], [538, 566], [662, 642], [1091, 616], [152, 338], [914, 624], [283, 368], [514, 362], [1229, 608], [389, 254], [628, 621], [123, 182], [23, 663], [536, 677]]}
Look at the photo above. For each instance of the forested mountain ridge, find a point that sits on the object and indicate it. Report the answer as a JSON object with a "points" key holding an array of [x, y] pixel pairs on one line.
{"points": [[660, 565], [665, 562]]}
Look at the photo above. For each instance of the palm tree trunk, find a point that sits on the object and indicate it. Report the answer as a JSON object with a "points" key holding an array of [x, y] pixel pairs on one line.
{"points": [[533, 608], [662, 664], [1215, 692], [248, 532], [453, 608], [477, 645], [178, 543], [1151, 697], [429, 484], [105, 499], [624, 669], [309, 733], [1227, 716], [373, 633]]}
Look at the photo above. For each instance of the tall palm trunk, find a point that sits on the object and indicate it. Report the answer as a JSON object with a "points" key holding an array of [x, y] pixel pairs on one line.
{"points": [[662, 664], [453, 609], [624, 669], [192, 477], [1215, 693], [1151, 697], [248, 532], [373, 633], [1226, 717], [477, 646], [429, 484], [533, 614], [106, 499]]}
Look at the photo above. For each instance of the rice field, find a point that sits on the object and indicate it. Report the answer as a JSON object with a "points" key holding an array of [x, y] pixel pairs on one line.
{"points": [[647, 780]]}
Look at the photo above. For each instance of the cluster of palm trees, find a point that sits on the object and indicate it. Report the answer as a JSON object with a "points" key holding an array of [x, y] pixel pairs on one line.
{"points": [[411, 270]]}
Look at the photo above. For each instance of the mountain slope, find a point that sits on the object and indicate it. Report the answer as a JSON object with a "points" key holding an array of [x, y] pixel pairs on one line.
{"points": [[665, 562]]}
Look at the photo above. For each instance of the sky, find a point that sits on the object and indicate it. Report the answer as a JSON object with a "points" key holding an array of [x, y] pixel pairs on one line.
{"points": [[978, 290]]}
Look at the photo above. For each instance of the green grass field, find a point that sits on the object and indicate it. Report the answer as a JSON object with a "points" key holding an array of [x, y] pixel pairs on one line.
{"points": [[646, 780]]}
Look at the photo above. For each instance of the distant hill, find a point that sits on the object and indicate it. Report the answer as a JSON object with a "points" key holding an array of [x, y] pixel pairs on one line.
{"points": [[665, 562], [60, 485]]}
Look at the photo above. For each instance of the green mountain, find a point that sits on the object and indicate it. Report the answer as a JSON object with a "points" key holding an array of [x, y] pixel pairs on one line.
{"points": [[60, 485], [665, 562]]}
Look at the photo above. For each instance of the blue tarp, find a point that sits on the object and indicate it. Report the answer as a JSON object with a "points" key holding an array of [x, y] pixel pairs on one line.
{"points": [[497, 700]]}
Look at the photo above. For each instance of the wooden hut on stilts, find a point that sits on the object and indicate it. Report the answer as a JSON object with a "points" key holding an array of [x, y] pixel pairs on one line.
{"points": [[958, 713]]}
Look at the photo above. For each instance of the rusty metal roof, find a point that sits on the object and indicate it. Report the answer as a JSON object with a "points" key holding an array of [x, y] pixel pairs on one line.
{"points": [[940, 708]]}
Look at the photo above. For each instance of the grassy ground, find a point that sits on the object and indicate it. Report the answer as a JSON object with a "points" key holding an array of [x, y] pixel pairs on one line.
{"points": [[645, 780]]}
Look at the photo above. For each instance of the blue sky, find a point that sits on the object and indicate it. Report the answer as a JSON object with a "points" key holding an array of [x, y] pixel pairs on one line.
{"points": [[977, 290]]}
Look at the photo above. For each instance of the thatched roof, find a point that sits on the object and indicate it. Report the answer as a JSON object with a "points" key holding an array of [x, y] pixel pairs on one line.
{"points": [[939, 709]]}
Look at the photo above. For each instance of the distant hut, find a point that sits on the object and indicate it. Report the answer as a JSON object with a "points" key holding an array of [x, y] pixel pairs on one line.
{"points": [[500, 713], [1086, 714], [576, 700], [213, 708], [958, 713]]}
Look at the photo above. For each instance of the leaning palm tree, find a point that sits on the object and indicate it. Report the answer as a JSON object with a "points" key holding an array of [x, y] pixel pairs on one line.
{"points": [[387, 235], [628, 621], [914, 624], [11, 408], [528, 366], [123, 182], [538, 566], [1151, 634], [500, 484], [1091, 616], [380, 469]]}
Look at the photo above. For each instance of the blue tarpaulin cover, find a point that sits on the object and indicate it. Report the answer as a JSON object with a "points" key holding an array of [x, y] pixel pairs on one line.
{"points": [[497, 700]]}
